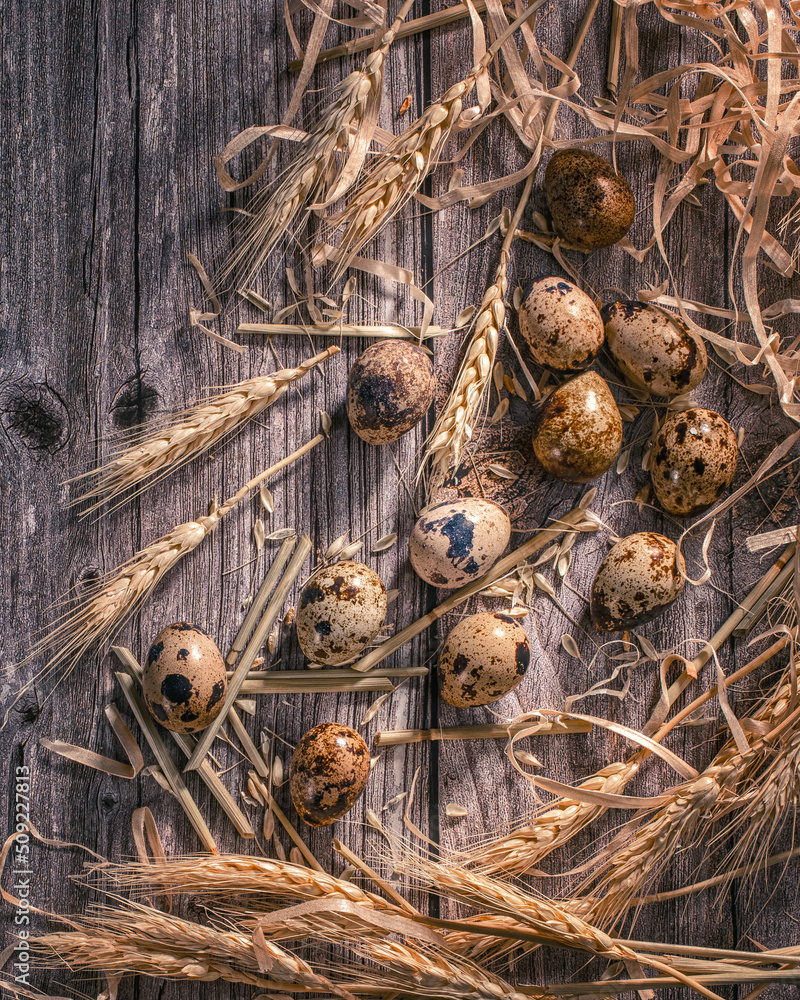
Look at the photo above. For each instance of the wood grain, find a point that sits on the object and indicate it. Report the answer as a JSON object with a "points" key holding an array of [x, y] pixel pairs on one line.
{"points": [[112, 114]]}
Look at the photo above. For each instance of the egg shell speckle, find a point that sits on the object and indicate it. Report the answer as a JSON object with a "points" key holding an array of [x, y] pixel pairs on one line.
{"points": [[578, 430], [693, 461], [636, 581], [590, 204], [483, 658], [455, 542], [342, 608], [390, 389], [184, 679], [655, 349], [328, 772], [561, 324]]}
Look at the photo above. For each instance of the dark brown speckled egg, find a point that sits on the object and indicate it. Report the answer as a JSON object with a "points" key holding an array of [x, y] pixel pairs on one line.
{"points": [[578, 430], [184, 679], [342, 608], [637, 580], [455, 542], [591, 205], [483, 658], [693, 461], [654, 348], [328, 772], [390, 389], [561, 324]]}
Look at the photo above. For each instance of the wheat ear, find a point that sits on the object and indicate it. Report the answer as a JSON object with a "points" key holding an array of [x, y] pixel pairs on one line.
{"points": [[144, 940], [456, 424], [396, 174], [693, 807], [233, 875], [121, 592], [274, 209], [520, 850], [159, 452]]}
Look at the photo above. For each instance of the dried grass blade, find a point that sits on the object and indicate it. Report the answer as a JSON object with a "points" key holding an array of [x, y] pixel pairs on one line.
{"points": [[258, 639], [171, 772]]}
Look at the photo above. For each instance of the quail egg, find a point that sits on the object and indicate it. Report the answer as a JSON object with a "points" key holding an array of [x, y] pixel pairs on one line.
{"points": [[342, 608], [693, 461], [329, 770], [455, 542], [484, 657], [655, 349], [390, 389], [561, 324], [578, 430], [640, 577], [184, 679], [590, 203]]}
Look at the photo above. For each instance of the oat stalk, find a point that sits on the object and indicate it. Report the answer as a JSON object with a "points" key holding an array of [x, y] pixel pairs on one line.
{"points": [[158, 452]]}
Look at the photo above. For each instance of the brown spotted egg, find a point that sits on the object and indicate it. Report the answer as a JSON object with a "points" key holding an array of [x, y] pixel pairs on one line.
{"points": [[390, 389], [184, 679], [455, 542], [483, 658], [578, 430], [693, 461], [329, 770], [590, 203], [655, 349], [640, 577], [561, 324], [342, 608]]}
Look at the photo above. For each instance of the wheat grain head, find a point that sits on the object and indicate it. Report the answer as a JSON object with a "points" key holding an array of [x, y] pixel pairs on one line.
{"points": [[158, 452]]}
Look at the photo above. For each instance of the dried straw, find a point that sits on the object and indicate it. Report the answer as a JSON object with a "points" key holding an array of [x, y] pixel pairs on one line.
{"points": [[158, 452]]}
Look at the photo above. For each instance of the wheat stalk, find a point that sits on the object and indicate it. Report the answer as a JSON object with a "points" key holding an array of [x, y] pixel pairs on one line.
{"points": [[113, 599], [396, 174], [159, 452], [143, 940], [455, 426], [234, 874], [525, 847], [276, 207], [693, 806], [547, 918]]}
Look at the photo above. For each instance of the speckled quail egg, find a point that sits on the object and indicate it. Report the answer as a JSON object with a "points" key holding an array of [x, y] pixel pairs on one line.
{"points": [[455, 542], [390, 389], [329, 770], [342, 608], [693, 461], [483, 658], [655, 349], [590, 203], [578, 430], [184, 679], [638, 579], [561, 324]]}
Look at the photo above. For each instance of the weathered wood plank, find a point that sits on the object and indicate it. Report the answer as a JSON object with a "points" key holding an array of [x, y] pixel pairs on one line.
{"points": [[116, 113]]}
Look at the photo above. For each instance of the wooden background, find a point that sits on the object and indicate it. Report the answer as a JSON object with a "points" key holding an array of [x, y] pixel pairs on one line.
{"points": [[111, 116]]}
